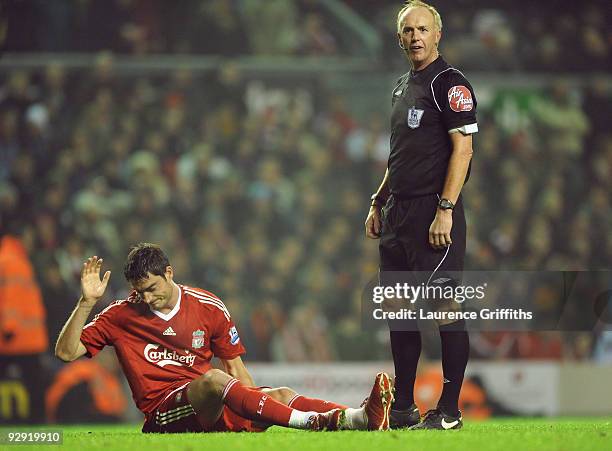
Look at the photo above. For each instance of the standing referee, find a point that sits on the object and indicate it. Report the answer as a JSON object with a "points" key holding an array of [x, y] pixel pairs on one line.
{"points": [[423, 227]]}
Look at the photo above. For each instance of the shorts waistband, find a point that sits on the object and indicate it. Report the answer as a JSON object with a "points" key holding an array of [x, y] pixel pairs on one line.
{"points": [[398, 196]]}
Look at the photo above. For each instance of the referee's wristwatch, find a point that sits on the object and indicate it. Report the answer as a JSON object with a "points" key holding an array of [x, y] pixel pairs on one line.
{"points": [[378, 200], [445, 204]]}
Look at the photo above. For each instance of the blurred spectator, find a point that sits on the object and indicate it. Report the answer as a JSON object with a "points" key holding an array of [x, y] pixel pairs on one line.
{"points": [[552, 114], [9, 142], [23, 332], [223, 27], [314, 39], [272, 26], [22, 313]]}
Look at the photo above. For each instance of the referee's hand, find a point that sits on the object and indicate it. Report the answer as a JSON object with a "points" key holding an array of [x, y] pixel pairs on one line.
{"points": [[440, 229], [373, 223]]}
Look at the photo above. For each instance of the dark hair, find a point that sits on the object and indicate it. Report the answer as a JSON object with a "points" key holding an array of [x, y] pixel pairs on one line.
{"points": [[145, 258]]}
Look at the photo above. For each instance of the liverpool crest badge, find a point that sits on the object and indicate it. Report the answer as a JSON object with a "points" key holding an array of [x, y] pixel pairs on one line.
{"points": [[197, 339]]}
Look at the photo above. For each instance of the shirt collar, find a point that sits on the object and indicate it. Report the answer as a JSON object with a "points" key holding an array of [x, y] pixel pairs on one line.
{"points": [[172, 313], [434, 64]]}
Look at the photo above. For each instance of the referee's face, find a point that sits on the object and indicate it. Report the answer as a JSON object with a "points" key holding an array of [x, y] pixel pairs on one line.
{"points": [[419, 36]]}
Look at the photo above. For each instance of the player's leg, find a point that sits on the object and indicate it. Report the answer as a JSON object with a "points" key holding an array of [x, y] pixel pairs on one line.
{"points": [[372, 415], [294, 400], [264, 410], [211, 391], [405, 341], [446, 266], [291, 398], [454, 336], [204, 395], [406, 350]]}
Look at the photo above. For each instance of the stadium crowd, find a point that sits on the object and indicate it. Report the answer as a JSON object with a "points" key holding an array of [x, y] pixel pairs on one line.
{"points": [[261, 199], [499, 36], [485, 35]]}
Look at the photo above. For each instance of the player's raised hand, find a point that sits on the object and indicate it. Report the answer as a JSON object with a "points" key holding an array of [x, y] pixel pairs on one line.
{"points": [[92, 287]]}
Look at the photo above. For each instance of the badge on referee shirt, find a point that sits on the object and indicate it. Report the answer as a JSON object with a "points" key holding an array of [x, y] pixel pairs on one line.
{"points": [[414, 117]]}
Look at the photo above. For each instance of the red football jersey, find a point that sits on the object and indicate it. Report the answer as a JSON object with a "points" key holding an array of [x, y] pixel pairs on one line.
{"points": [[161, 352]]}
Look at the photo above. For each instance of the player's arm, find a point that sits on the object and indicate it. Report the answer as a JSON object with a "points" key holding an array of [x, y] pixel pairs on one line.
{"points": [[457, 166], [236, 368], [373, 221], [440, 230], [69, 346]]}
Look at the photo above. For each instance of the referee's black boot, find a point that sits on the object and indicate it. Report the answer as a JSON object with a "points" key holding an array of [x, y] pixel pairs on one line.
{"points": [[436, 419], [404, 418]]}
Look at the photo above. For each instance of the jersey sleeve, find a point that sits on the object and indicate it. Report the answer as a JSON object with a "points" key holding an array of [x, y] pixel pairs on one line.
{"points": [[225, 342], [102, 330], [456, 100], [397, 91]]}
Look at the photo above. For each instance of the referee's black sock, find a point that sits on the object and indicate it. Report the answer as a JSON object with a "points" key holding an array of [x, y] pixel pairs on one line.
{"points": [[455, 353], [406, 349]]}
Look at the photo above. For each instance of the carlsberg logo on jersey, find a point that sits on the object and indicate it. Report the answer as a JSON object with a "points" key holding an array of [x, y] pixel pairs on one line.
{"points": [[167, 357]]}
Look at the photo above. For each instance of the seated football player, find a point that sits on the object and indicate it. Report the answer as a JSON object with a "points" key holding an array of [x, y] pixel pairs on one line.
{"points": [[165, 335]]}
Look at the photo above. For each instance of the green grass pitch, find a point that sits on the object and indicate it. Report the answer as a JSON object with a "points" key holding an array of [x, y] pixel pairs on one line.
{"points": [[499, 434]]}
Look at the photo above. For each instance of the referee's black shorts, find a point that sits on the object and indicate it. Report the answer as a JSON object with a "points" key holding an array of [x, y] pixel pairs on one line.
{"points": [[404, 243], [407, 257]]}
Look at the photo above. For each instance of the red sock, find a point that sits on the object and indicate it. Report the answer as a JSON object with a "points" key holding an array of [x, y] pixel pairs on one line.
{"points": [[305, 404], [255, 405]]}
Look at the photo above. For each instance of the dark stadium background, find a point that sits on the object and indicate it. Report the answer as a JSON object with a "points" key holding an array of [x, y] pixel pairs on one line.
{"points": [[246, 136]]}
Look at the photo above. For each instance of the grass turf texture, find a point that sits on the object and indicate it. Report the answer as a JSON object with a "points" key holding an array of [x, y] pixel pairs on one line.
{"points": [[515, 434]]}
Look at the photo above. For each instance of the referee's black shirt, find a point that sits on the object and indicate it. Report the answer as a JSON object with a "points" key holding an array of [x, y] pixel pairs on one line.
{"points": [[426, 105]]}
